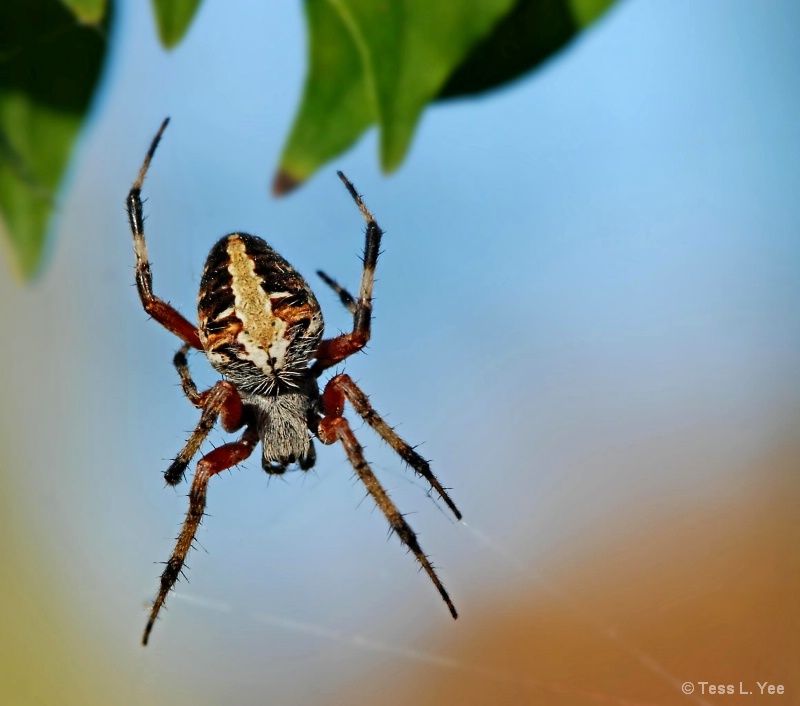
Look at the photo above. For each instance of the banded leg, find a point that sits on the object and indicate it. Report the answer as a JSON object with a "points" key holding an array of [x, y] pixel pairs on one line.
{"points": [[162, 312], [344, 385], [221, 401], [218, 460], [334, 350], [334, 427]]}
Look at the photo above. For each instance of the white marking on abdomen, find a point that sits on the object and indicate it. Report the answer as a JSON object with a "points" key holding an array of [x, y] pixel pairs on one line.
{"points": [[263, 335]]}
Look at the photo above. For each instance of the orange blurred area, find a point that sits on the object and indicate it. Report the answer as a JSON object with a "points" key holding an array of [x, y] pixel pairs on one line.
{"points": [[693, 596]]}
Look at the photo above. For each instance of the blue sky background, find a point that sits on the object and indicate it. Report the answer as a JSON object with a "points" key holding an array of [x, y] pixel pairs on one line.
{"points": [[586, 308]]}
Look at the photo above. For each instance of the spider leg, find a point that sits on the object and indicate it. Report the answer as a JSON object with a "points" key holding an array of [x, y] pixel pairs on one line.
{"points": [[220, 459], [181, 364], [334, 427], [346, 298], [166, 315], [221, 401], [334, 350], [362, 406]]}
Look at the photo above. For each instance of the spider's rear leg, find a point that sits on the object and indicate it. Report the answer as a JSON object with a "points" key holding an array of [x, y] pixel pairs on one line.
{"points": [[220, 459], [166, 315], [364, 409], [221, 401], [334, 427], [334, 350]]}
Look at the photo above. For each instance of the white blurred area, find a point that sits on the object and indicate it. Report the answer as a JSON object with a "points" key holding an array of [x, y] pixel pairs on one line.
{"points": [[586, 312]]}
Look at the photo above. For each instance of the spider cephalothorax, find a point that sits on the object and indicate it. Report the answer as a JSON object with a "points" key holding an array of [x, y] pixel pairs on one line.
{"points": [[260, 326]]}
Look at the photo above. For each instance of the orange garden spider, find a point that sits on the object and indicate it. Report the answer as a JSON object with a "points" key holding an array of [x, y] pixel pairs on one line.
{"points": [[260, 326]]}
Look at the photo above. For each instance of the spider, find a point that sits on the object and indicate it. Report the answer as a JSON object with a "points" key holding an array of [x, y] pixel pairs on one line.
{"points": [[260, 326]]}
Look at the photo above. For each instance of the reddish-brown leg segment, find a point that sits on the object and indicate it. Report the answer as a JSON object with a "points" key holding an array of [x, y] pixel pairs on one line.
{"points": [[212, 463], [334, 350], [334, 427], [221, 401], [166, 315]]}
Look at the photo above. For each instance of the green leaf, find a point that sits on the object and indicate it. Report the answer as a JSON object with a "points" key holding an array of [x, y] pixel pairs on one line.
{"points": [[89, 12], [530, 34], [376, 61], [49, 67], [587, 11], [383, 61], [173, 18], [336, 86]]}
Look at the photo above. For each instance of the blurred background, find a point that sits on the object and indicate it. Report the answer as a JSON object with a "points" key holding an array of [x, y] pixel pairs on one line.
{"points": [[586, 314]]}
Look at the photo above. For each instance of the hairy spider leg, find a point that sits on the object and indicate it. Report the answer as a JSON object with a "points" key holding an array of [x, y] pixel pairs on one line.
{"points": [[222, 400], [334, 350], [366, 411], [334, 427], [216, 461], [165, 314]]}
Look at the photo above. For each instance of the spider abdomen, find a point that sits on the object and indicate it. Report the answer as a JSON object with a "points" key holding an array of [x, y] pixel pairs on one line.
{"points": [[259, 321]]}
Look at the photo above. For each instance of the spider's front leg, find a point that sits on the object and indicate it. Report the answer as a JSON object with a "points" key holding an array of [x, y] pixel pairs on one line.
{"points": [[334, 427], [166, 315], [222, 400], [334, 350], [220, 459]]}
